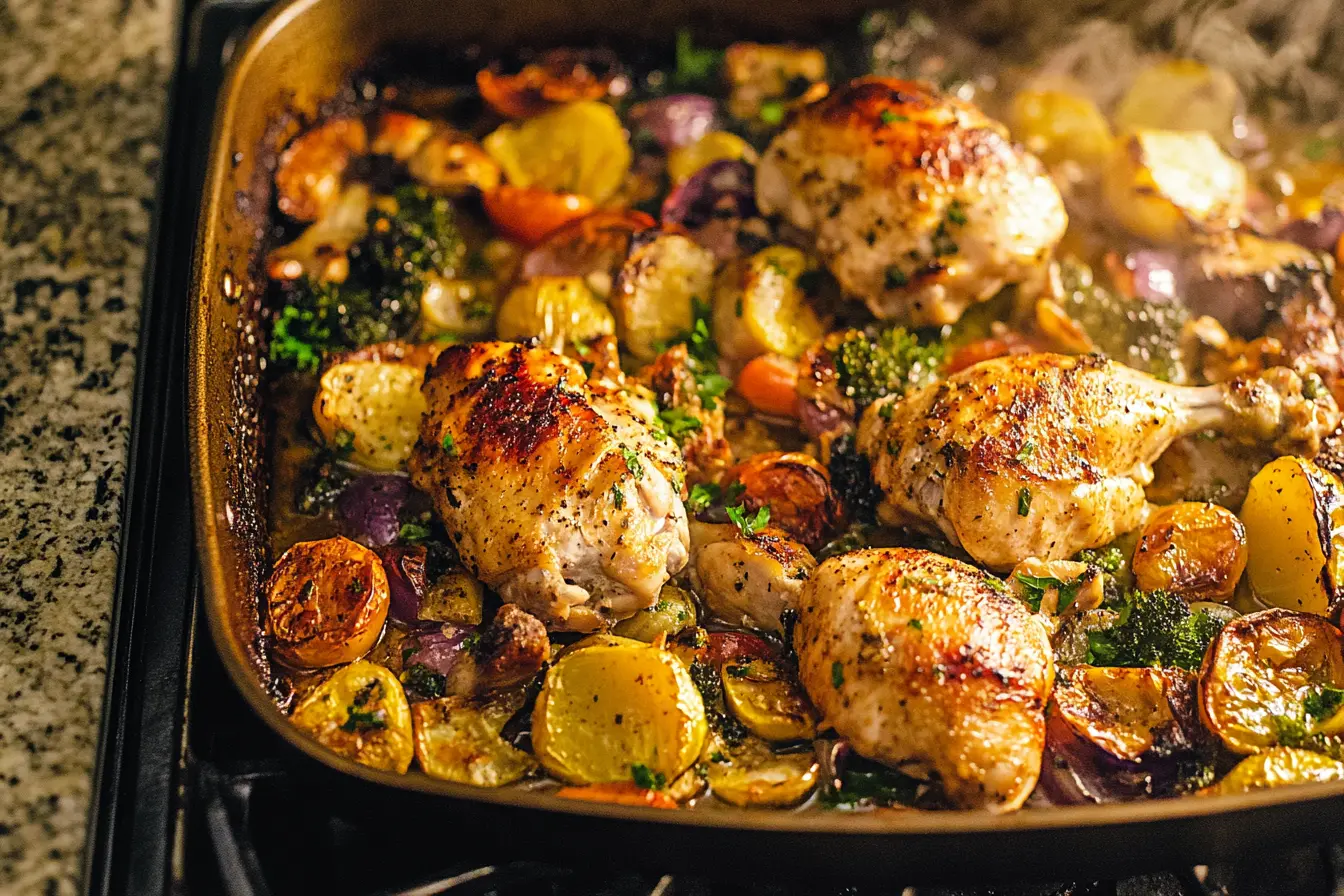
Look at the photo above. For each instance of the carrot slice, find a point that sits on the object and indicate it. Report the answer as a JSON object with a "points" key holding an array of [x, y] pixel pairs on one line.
{"points": [[530, 214], [621, 793], [770, 384]]}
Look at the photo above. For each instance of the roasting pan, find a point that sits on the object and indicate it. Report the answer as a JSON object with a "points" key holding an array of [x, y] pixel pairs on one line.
{"points": [[302, 56]]}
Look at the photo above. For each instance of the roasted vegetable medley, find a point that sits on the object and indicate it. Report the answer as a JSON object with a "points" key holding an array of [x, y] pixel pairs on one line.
{"points": [[812, 425]]}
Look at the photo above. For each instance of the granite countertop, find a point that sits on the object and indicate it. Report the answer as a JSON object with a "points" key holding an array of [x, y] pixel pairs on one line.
{"points": [[82, 102]]}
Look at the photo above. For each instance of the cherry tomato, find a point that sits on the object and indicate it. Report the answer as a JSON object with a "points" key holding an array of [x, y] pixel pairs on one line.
{"points": [[726, 646]]}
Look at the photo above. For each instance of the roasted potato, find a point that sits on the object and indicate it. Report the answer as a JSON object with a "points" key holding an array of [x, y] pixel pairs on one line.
{"points": [[1170, 187], [361, 713], [455, 597], [769, 703], [759, 306], [577, 148], [326, 603], [654, 293], [674, 612], [559, 311], [1061, 126], [716, 146], [616, 706], [310, 172], [457, 306], [1294, 521], [1195, 550], [1277, 767], [452, 163], [373, 395], [796, 488], [751, 774], [1260, 674], [1183, 95], [458, 739]]}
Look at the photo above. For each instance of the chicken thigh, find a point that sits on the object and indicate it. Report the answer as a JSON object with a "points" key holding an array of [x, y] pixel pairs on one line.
{"points": [[554, 489], [921, 664], [920, 204], [1043, 455]]}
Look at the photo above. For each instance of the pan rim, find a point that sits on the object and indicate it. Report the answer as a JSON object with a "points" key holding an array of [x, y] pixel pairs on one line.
{"points": [[215, 587]]}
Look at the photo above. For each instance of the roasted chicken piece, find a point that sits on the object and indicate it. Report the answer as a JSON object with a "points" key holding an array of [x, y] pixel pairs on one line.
{"points": [[553, 488], [921, 205], [1043, 455], [748, 579], [921, 664]]}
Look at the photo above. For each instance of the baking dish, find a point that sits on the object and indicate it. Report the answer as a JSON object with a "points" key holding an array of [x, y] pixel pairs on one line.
{"points": [[301, 59]]}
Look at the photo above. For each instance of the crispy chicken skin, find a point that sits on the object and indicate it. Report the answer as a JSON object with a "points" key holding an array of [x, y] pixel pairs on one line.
{"points": [[1042, 455], [920, 664], [554, 489], [920, 204]]}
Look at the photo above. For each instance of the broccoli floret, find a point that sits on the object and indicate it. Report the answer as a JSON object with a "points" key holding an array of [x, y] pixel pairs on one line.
{"points": [[380, 299], [1155, 629], [1140, 334], [1109, 559], [870, 364]]}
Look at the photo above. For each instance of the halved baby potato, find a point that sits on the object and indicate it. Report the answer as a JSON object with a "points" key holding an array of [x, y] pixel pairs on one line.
{"points": [[655, 291], [455, 597], [769, 703], [451, 163], [614, 705], [326, 603], [759, 306], [1261, 671], [373, 395], [1277, 767], [458, 739], [1192, 549], [750, 774], [1294, 519], [1171, 186], [361, 713], [1061, 126], [559, 311]]}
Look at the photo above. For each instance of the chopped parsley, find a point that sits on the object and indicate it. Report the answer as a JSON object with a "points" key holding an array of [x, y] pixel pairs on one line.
{"points": [[359, 720], [837, 674], [413, 533], [1026, 451], [1023, 501], [1322, 702], [695, 66], [646, 778], [617, 496], [632, 462], [702, 495], [749, 525], [1035, 587], [995, 583], [916, 624], [343, 443], [889, 116], [895, 278], [956, 212], [424, 680], [865, 783], [449, 446], [772, 112]]}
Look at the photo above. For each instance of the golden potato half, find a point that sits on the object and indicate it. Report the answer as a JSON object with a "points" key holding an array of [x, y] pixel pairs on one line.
{"points": [[326, 603], [1294, 520], [361, 713], [458, 739], [1195, 550], [1260, 673], [609, 707]]}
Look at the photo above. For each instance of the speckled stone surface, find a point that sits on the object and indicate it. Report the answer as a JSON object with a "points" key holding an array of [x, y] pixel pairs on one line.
{"points": [[82, 100]]}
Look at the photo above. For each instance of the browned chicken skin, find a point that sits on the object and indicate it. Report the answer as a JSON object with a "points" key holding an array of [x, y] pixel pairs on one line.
{"points": [[554, 489], [920, 204], [920, 663], [1043, 455]]}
